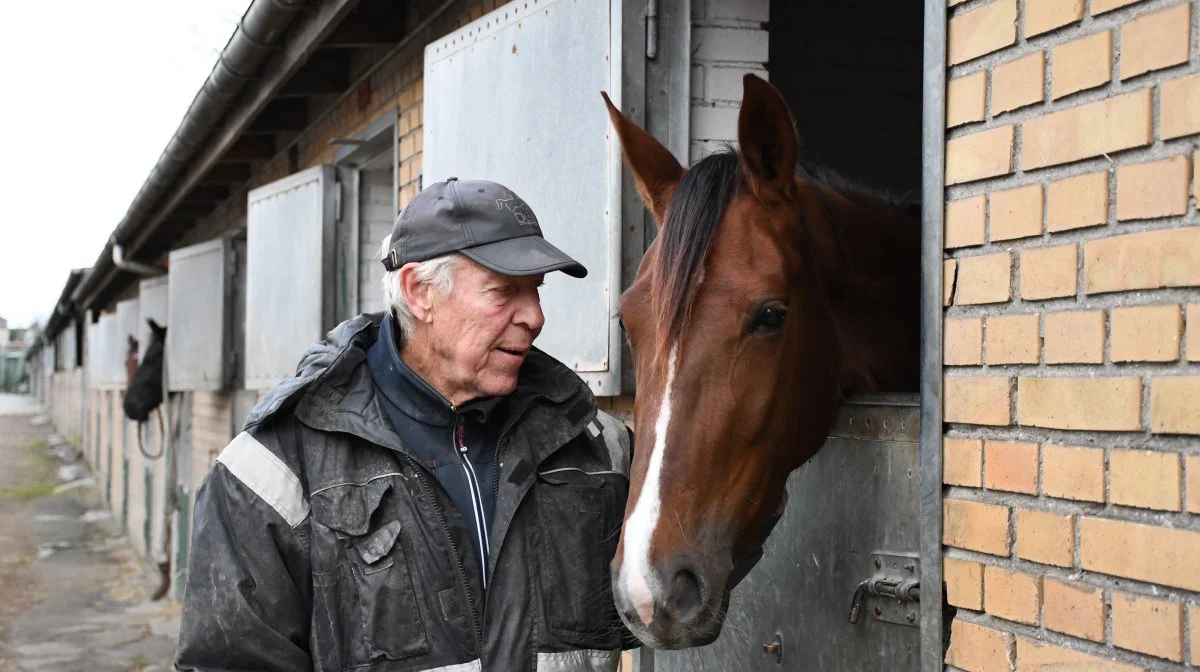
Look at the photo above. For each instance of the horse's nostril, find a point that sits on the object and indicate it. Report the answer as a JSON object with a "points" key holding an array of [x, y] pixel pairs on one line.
{"points": [[685, 587]]}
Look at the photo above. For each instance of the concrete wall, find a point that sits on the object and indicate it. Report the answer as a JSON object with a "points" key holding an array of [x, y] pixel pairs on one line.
{"points": [[1072, 347]]}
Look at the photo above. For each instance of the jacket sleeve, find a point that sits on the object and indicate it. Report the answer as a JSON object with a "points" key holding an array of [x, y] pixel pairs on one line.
{"points": [[247, 597]]}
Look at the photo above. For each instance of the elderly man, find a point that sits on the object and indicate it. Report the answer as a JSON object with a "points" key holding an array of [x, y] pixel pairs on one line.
{"points": [[430, 491]]}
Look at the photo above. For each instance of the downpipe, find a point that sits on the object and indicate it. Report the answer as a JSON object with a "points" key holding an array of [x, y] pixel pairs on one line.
{"points": [[118, 258]]}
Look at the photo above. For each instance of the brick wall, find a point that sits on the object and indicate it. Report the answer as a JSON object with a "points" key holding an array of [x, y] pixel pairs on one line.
{"points": [[1072, 335], [729, 39]]}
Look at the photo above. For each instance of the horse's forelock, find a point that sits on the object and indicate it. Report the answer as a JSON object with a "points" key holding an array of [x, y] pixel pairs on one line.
{"points": [[692, 218]]}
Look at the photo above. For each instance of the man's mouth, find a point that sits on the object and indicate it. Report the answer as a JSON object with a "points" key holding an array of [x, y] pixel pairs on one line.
{"points": [[514, 352]]}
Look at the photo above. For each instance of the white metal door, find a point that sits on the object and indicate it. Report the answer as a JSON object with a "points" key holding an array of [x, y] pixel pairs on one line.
{"points": [[289, 272], [514, 97]]}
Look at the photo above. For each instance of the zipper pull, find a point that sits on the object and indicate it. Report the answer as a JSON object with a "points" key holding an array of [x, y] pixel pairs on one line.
{"points": [[462, 446]]}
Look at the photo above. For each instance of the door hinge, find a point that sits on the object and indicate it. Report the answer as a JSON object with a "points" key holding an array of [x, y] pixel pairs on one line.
{"points": [[651, 29], [894, 590]]}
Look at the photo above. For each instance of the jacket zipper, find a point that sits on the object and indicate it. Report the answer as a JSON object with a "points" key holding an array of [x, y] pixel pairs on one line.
{"points": [[460, 448], [462, 570]]}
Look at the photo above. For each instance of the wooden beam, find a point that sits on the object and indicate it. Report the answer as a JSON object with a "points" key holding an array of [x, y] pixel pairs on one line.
{"points": [[373, 23], [209, 194], [227, 173], [245, 148], [328, 71], [285, 114], [307, 35]]}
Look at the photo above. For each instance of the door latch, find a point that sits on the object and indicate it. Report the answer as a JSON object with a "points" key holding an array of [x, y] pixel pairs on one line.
{"points": [[893, 590]]}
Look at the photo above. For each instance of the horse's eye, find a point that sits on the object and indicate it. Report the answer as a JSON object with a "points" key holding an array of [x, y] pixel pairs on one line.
{"points": [[769, 317]]}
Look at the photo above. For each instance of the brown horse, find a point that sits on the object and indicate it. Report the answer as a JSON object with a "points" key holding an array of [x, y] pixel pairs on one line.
{"points": [[773, 290]]}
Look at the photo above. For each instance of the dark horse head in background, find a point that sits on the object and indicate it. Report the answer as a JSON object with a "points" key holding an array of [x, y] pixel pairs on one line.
{"points": [[145, 392], [772, 290]]}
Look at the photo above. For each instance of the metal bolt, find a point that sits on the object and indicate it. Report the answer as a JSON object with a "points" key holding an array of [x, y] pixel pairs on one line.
{"points": [[878, 563], [909, 566], [912, 617], [878, 611]]}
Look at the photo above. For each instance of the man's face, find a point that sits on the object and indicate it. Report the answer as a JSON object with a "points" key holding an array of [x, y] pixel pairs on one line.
{"points": [[480, 333]]}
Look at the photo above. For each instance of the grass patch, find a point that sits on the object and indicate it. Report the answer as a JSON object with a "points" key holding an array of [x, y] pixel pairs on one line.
{"points": [[29, 492], [39, 446]]}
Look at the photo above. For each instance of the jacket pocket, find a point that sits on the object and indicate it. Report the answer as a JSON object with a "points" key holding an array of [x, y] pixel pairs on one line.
{"points": [[365, 607], [579, 518]]}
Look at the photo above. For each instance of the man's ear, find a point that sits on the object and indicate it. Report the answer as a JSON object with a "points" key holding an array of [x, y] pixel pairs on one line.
{"points": [[417, 294]]}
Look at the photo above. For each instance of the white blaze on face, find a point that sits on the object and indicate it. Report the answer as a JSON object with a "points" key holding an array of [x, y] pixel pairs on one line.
{"points": [[639, 581]]}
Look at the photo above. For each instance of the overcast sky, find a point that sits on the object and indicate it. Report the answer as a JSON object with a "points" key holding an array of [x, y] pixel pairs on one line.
{"points": [[92, 93]]}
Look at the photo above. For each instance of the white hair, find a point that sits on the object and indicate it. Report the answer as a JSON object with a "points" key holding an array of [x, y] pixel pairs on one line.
{"points": [[438, 272]]}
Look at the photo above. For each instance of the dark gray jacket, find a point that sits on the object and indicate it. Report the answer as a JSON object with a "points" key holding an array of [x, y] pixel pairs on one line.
{"points": [[320, 543]]}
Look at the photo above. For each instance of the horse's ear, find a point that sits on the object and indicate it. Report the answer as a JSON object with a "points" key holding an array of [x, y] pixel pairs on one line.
{"points": [[767, 139], [653, 166]]}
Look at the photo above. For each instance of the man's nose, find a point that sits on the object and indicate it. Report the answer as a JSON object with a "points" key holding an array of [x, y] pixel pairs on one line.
{"points": [[530, 315]]}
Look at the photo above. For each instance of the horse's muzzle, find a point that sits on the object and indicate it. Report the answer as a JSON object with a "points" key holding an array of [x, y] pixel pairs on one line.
{"points": [[684, 611]]}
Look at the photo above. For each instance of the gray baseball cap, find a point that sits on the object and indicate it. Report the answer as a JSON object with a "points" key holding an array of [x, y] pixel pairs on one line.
{"points": [[483, 220]]}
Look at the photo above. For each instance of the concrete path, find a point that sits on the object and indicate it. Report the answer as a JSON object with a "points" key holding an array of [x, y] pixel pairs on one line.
{"points": [[75, 596]]}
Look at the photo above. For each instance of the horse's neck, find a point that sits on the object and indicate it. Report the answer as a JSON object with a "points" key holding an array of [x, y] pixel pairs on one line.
{"points": [[875, 295]]}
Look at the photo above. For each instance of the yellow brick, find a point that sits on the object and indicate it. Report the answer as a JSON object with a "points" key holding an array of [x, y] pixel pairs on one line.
{"points": [[1077, 202], [1096, 404], [1049, 272], [949, 278], [1074, 337], [1012, 467], [982, 31], [964, 583], [1011, 595], [1043, 16], [1174, 401], [1154, 189], [976, 648], [984, 279], [1013, 339], [979, 155], [1073, 609], [1147, 625], [1081, 64], [1147, 260], [1102, 6], [1180, 107], [1035, 657], [1016, 213], [977, 400], [1193, 332], [1145, 479], [1073, 473], [1143, 552], [1193, 494], [965, 222], [976, 527], [1087, 130], [962, 462], [965, 99], [1155, 41], [1018, 83], [1048, 538], [1194, 618], [1146, 333], [963, 341]]}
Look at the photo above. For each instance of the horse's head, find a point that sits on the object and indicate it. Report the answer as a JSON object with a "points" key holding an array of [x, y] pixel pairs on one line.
{"points": [[734, 348]]}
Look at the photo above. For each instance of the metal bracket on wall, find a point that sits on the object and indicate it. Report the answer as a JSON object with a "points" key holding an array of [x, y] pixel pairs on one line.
{"points": [[892, 592]]}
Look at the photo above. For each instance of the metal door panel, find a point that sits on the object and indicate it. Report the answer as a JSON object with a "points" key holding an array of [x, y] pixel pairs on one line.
{"points": [[198, 296], [856, 497], [153, 296], [106, 357], [289, 272], [376, 204], [514, 97]]}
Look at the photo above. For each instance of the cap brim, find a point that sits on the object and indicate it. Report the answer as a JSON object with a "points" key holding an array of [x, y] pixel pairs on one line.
{"points": [[528, 255]]}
